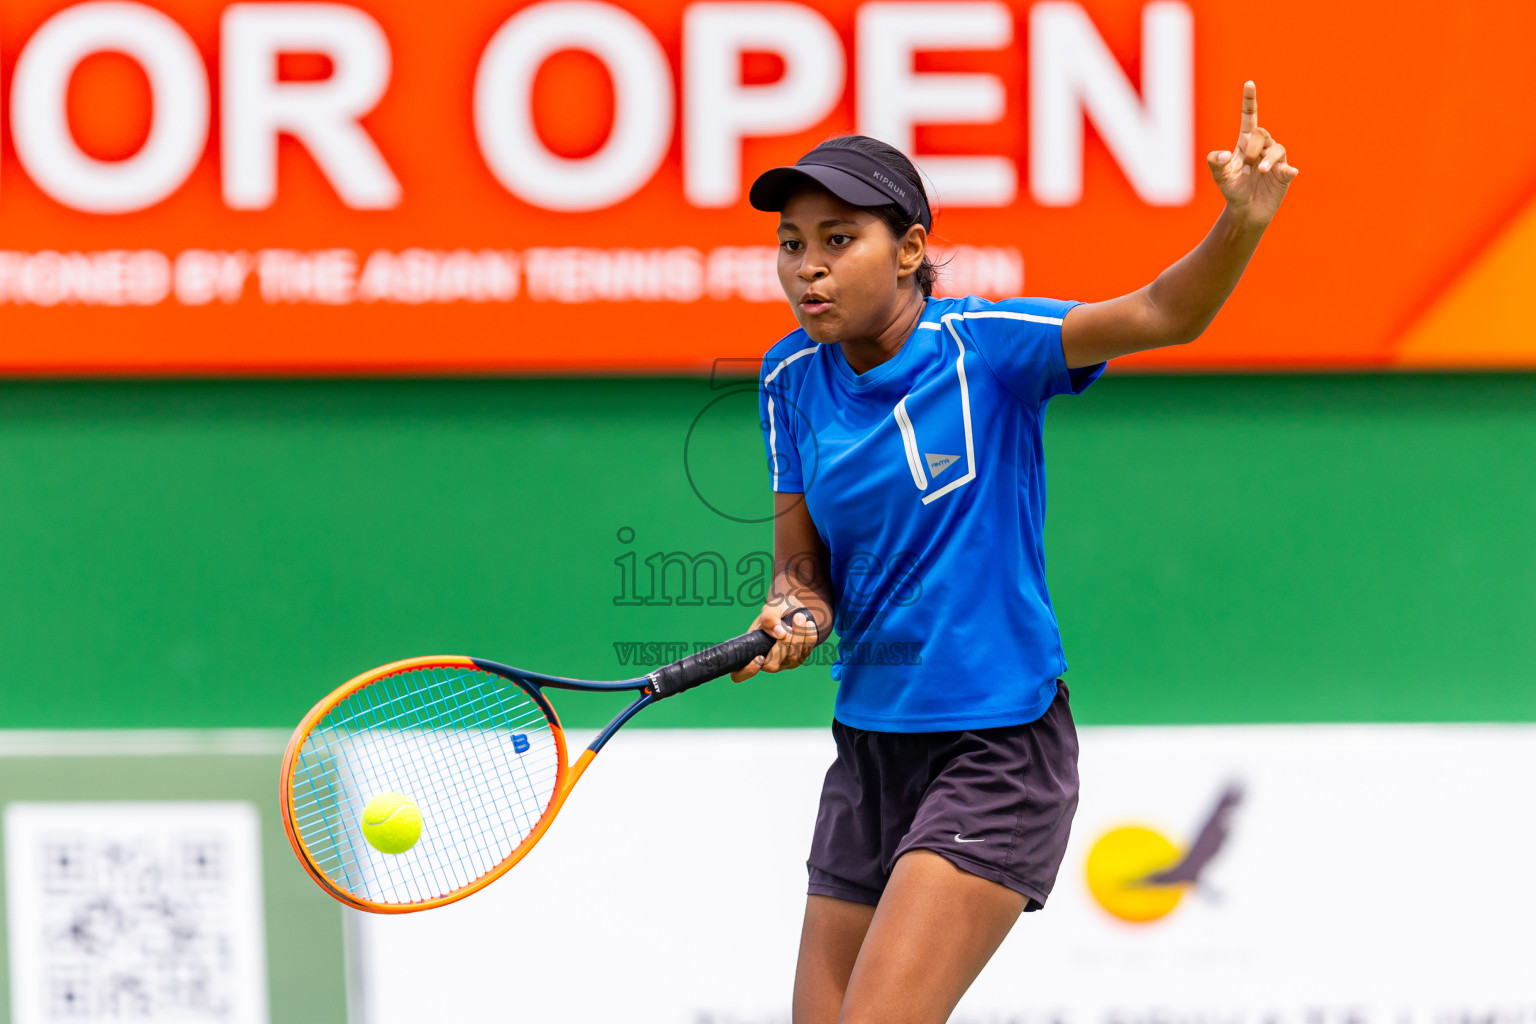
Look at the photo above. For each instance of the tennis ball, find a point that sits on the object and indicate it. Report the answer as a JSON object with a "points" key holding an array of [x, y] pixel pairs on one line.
{"points": [[391, 823]]}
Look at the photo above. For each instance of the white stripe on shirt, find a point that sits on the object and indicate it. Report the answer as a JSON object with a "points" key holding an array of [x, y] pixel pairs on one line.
{"points": [[773, 451]]}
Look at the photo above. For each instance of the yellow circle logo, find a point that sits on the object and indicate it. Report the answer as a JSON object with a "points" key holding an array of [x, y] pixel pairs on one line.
{"points": [[1118, 868]]}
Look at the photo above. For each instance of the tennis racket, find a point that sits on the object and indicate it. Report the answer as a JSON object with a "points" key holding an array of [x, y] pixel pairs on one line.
{"points": [[475, 744]]}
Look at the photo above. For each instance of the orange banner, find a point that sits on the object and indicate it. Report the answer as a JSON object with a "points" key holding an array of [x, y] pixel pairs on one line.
{"points": [[394, 187]]}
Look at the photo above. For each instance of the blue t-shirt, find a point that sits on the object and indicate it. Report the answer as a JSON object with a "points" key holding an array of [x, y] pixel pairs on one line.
{"points": [[925, 478]]}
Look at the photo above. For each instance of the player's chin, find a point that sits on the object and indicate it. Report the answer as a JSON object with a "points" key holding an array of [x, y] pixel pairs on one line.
{"points": [[823, 328]]}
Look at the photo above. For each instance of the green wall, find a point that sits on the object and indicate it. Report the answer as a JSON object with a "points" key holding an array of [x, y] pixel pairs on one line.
{"points": [[1222, 549]]}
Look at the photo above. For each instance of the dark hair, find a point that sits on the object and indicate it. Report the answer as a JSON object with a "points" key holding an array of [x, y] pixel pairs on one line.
{"points": [[892, 215]]}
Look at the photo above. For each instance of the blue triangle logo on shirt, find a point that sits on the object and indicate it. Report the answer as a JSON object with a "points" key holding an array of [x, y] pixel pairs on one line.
{"points": [[939, 463]]}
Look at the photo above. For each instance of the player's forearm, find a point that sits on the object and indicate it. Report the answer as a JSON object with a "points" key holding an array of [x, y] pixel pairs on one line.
{"points": [[1186, 297], [803, 583], [1176, 308]]}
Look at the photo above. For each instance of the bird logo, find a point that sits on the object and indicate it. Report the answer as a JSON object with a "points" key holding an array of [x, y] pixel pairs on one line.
{"points": [[1139, 875]]}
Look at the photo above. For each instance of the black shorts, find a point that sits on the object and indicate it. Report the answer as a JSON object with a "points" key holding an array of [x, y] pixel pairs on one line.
{"points": [[997, 803]]}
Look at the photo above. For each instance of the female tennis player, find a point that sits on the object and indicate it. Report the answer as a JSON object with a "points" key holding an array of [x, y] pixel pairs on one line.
{"points": [[904, 440]]}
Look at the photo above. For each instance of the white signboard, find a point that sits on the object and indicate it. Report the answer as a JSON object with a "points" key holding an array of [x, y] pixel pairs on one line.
{"points": [[1347, 875], [150, 912]]}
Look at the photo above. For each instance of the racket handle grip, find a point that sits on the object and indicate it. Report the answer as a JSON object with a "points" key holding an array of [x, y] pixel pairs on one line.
{"points": [[719, 660]]}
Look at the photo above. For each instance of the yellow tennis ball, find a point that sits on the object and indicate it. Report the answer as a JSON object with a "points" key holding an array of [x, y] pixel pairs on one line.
{"points": [[391, 823]]}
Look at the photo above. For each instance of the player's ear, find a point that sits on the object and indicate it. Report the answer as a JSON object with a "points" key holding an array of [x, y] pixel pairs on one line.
{"points": [[911, 248]]}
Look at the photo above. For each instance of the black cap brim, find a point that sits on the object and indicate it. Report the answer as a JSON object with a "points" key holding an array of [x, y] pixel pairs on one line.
{"points": [[772, 188]]}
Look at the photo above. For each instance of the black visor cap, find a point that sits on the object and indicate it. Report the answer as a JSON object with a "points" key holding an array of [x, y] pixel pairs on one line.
{"points": [[853, 177]]}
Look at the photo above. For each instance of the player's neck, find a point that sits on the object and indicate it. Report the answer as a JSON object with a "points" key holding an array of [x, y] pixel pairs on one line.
{"points": [[864, 354]]}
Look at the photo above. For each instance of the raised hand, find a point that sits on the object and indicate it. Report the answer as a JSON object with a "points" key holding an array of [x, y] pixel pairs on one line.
{"points": [[1253, 175]]}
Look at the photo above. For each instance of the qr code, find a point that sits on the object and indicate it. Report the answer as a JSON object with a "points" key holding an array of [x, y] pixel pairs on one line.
{"points": [[135, 911]]}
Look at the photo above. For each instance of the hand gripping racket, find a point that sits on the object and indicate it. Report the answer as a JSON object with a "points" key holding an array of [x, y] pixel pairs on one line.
{"points": [[474, 744]]}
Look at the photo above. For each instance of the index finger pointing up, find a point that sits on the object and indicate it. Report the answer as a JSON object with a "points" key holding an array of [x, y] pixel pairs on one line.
{"points": [[1250, 108]]}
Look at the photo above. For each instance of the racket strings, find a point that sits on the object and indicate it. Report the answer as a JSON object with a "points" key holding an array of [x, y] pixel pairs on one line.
{"points": [[459, 762], [472, 749]]}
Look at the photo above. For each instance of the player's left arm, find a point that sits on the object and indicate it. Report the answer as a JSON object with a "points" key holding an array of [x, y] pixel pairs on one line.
{"points": [[1178, 306]]}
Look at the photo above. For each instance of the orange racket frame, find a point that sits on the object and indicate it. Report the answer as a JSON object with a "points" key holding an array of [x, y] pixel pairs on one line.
{"points": [[566, 776], [666, 681]]}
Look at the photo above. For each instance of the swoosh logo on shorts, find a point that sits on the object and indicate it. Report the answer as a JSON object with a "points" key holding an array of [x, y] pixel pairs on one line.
{"points": [[961, 839]]}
